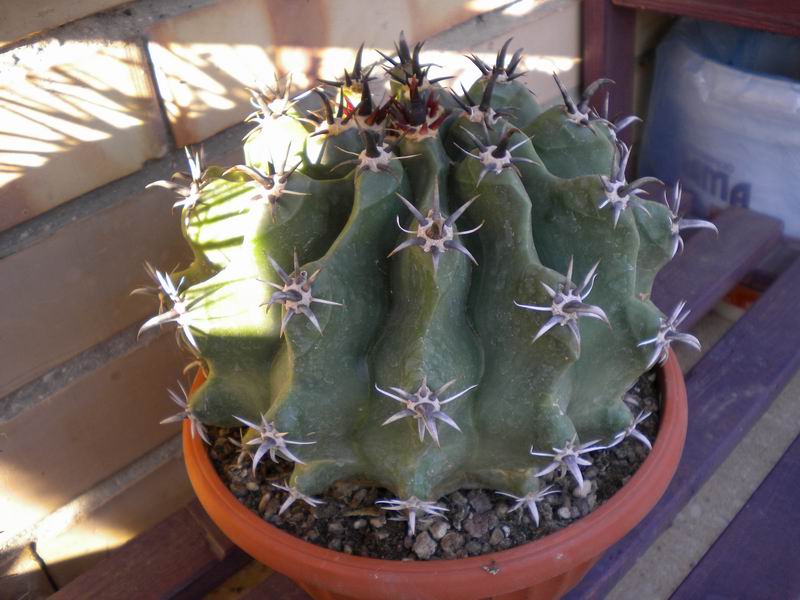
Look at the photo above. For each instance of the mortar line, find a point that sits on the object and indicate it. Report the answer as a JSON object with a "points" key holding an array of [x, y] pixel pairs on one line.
{"points": [[87, 362]]}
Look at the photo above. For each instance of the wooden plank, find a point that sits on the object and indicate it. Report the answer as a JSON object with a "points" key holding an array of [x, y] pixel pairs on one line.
{"points": [[712, 265], [756, 556], [729, 389], [608, 51], [275, 587], [184, 556], [778, 16]]}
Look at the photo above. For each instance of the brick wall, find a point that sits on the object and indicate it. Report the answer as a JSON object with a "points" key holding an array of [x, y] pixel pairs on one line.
{"points": [[90, 112]]}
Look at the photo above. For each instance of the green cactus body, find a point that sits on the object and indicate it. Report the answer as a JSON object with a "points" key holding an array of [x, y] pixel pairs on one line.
{"points": [[510, 94], [569, 150], [511, 390], [428, 338], [322, 383], [505, 321], [236, 337]]}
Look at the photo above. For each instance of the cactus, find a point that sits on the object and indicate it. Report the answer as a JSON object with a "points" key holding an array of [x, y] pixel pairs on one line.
{"points": [[432, 292]]}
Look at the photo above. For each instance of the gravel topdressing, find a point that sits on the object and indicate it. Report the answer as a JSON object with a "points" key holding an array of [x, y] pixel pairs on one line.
{"points": [[477, 522]]}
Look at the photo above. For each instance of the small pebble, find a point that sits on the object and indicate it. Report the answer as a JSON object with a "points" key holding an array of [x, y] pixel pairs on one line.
{"points": [[273, 506], [564, 512], [424, 546], [252, 486], [581, 491], [238, 489], [452, 542], [312, 536], [473, 547], [479, 501], [583, 507], [335, 544], [377, 522], [477, 525], [496, 537], [439, 529], [553, 500], [359, 524], [336, 527]]}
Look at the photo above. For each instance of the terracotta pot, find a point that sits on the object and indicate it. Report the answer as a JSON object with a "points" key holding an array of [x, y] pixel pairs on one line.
{"points": [[544, 569]]}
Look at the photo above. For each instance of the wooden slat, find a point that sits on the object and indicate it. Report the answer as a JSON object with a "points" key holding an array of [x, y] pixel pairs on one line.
{"points": [[184, 556], [275, 587], [711, 265], [728, 390], [756, 556], [608, 51], [778, 16]]}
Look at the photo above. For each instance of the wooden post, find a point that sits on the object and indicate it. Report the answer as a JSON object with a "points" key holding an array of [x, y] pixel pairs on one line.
{"points": [[608, 51]]}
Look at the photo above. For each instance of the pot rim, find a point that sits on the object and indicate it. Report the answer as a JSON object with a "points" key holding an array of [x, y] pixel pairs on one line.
{"points": [[582, 541]]}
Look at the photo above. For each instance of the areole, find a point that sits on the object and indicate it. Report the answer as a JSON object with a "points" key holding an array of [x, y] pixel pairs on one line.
{"points": [[540, 570]]}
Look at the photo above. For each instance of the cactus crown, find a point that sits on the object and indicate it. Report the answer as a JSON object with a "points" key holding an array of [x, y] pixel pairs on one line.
{"points": [[347, 319]]}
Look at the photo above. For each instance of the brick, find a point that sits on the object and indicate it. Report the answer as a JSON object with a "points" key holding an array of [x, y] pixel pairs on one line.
{"points": [[203, 59], [133, 511], [24, 17], [73, 116], [67, 443], [71, 291]]}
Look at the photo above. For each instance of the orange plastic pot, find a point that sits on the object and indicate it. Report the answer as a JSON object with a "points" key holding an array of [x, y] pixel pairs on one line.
{"points": [[543, 569]]}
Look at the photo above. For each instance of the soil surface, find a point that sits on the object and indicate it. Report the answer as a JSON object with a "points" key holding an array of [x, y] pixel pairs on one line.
{"points": [[477, 521]]}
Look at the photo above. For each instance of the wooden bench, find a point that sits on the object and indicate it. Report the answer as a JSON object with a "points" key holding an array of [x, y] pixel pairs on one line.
{"points": [[756, 556], [729, 389]]}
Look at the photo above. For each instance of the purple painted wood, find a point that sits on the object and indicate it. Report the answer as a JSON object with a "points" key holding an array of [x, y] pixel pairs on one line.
{"points": [[275, 587], [183, 557], [728, 390], [710, 265], [756, 556]]}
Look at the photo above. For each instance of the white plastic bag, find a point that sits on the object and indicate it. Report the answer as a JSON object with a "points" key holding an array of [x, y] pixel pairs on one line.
{"points": [[724, 118]]}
